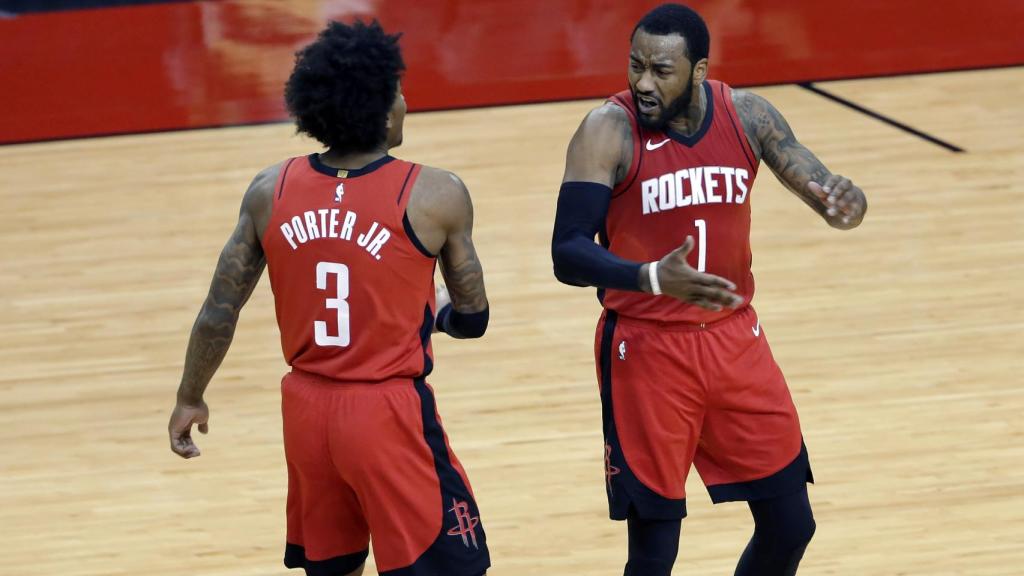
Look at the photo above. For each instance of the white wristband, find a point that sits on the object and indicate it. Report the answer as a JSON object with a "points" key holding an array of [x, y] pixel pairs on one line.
{"points": [[652, 273]]}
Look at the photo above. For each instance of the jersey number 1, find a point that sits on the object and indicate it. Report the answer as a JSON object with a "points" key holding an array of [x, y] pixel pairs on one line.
{"points": [[702, 244], [338, 303]]}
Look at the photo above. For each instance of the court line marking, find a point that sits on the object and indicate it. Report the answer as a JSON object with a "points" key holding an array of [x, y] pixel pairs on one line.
{"points": [[880, 117]]}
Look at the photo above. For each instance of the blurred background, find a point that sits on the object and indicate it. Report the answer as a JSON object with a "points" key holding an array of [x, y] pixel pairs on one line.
{"points": [[73, 69]]}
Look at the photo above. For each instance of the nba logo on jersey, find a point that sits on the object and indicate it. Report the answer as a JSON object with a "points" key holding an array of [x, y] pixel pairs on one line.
{"points": [[339, 192], [622, 350]]}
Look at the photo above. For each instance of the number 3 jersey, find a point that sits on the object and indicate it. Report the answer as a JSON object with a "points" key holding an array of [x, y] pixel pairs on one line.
{"points": [[679, 186], [353, 288]]}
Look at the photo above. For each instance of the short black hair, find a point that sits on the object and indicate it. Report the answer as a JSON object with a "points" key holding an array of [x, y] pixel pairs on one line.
{"points": [[344, 85], [678, 19]]}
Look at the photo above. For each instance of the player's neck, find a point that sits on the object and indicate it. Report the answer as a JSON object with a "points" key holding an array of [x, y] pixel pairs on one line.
{"points": [[687, 124], [352, 160]]}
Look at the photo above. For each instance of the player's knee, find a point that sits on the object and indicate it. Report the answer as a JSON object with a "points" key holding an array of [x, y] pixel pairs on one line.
{"points": [[786, 521], [792, 539], [807, 531], [798, 533], [649, 567]]}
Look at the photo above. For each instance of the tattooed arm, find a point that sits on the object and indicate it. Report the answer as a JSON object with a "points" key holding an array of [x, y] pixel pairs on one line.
{"points": [[834, 197], [440, 212], [238, 270]]}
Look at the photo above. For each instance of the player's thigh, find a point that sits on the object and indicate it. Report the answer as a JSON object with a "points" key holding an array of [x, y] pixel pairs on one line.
{"points": [[417, 499], [652, 405], [751, 429], [327, 532]]}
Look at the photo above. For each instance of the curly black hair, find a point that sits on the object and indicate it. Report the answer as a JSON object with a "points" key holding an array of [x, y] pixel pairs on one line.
{"points": [[344, 85], [682, 20]]}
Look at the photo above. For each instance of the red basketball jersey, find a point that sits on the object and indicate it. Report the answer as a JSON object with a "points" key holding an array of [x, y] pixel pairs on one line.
{"points": [[353, 288], [679, 186]]}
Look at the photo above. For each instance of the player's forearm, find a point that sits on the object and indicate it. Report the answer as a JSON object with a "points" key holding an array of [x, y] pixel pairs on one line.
{"points": [[773, 139], [464, 276], [578, 261], [211, 337], [796, 166]]}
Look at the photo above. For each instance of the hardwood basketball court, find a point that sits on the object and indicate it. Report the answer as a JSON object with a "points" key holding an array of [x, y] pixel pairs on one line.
{"points": [[902, 341]]}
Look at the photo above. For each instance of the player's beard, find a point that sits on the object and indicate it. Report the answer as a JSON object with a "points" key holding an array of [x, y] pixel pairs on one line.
{"points": [[676, 107]]}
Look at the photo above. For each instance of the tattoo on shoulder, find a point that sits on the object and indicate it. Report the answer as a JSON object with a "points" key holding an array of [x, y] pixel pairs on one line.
{"points": [[776, 144]]}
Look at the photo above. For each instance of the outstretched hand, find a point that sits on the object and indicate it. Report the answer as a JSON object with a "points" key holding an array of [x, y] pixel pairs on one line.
{"points": [[844, 202], [180, 427], [681, 281]]}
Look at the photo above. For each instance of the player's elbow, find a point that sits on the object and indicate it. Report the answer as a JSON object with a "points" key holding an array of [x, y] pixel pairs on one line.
{"points": [[561, 259], [567, 279]]}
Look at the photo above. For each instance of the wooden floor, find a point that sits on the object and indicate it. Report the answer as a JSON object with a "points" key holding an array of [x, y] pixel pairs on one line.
{"points": [[903, 343]]}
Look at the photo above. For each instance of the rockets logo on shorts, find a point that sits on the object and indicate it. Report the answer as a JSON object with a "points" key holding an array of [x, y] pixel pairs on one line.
{"points": [[609, 470], [466, 523]]}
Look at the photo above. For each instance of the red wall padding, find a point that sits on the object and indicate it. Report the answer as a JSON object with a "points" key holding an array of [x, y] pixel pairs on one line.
{"points": [[192, 64]]}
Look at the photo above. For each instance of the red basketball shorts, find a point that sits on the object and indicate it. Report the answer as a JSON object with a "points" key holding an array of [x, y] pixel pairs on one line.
{"points": [[674, 395], [373, 459]]}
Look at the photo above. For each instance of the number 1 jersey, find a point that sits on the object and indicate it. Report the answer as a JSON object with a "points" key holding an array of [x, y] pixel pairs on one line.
{"points": [[353, 287], [679, 186]]}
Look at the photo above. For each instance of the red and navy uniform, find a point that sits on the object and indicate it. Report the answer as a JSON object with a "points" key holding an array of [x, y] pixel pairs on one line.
{"points": [[366, 451], [682, 385]]}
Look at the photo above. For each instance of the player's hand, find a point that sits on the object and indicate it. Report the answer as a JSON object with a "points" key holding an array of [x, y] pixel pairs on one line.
{"points": [[180, 427], [680, 280], [844, 202]]}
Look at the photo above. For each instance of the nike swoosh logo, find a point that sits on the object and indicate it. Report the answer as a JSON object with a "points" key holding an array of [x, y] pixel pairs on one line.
{"points": [[658, 145], [757, 328]]}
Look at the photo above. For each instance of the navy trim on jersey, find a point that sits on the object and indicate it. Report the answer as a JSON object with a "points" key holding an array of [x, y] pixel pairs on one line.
{"points": [[709, 116], [602, 239], [742, 139], [404, 184], [316, 164], [413, 238], [786, 481], [295, 557], [627, 495], [639, 166], [284, 178], [426, 329]]}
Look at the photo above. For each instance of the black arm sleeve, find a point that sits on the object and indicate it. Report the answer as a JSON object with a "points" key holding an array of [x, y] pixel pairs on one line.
{"points": [[582, 207]]}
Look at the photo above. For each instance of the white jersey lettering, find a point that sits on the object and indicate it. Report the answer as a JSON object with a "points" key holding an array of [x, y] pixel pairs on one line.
{"points": [[694, 186]]}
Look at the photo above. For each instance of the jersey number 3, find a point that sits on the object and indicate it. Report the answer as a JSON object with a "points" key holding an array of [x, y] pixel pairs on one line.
{"points": [[339, 303]]}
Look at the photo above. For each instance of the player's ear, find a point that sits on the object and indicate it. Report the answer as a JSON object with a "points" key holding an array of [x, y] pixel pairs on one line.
{"points": [[700, 71]]}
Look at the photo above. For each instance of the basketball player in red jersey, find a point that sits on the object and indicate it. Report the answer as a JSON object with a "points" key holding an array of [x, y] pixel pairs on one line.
{"points": [[351, 237], [685, 372]]}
